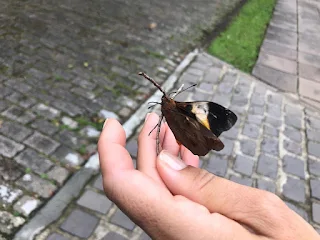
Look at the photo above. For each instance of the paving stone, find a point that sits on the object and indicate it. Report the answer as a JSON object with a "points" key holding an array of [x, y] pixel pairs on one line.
{"points": [[46, 111], [293, 166], [243, 180], [58, 174], [95, 201], [257, 99], [243, 165], [313, 135], [3, 104], [70, 139], [293, 110], [271, 131], [228, 147], [113, 236], [315, 188], [15, 131], [9, 170], [309, 72], [9, 223], [300, 211], [309, 88], [292, 147], [212, 75], [279, 63], [68, 156], [314, 167], [44, 126], [310, 59], [217, 165], [248, 147], [8, 195], [90, 132], [68, 108], [293, 134], [314, 148], [270, 146], [282, 37], [69, 122], [80, 223], [273, 121], [98, 183], [35, 184], [293, 121], [309, 43], [266, 185], [122, 220], [132, 147], [316, 212], [26, 205], [31, 159], [267, 166], [279, 79], [256, 119], [232, 133], [294, 189], [56, 236], [251, 130], [256, 110], [144, 236], [41, 143], [9, 148], [313, 122], [22, 100], [18, 114], [279, 50]]}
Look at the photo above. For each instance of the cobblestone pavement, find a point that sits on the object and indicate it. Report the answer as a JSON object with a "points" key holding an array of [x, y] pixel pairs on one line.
{"points": [[64, 68], [290, 55], [274, 146]]}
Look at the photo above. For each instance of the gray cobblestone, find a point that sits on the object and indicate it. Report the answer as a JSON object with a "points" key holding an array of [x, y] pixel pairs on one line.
{"points": [[299, 211], [113, 236], [95, 201], [314, 167], [68, 156], [270, 146], [9, 148], [228, 147], [294, 189], [242, 180], [58, 174], [120, 219], [293, 166], [70, 139], [251, 130], [36, 185], [271, 131], [293, 134], [217, 165], [44, 126], [9, 223], [26, 205], [15, 131], [315, 188], [267, 166], [292, 147], [248, 147], [266, 185], [243, 165], [41, 143], [56, 236], [31, 159], [46, 111], [8, 195], [80, 224], [316, 212], [314, 148], [18, 114]]}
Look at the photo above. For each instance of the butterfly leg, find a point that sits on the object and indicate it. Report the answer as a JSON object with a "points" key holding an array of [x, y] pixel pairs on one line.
{"points": [[158, 134]]}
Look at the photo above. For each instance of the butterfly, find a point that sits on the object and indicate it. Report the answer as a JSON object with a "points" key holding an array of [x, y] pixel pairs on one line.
{"points": [[196, 125]]}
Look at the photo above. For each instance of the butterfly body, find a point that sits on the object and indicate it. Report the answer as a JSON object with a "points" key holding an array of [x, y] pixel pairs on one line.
{"points": [[196, 125]]}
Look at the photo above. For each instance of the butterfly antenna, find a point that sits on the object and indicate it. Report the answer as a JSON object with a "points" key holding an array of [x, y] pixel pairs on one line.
{"points": [[153, 81], [183, 90]]}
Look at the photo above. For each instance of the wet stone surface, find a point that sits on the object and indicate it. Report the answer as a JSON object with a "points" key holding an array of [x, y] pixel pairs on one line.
{"points": [[262, 160]]}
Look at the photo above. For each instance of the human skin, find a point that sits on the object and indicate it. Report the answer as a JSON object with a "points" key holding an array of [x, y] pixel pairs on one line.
{"points": [[170, 198]]}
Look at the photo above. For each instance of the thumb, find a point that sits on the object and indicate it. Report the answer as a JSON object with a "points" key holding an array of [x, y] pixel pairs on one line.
{"points": [[260, 210]]}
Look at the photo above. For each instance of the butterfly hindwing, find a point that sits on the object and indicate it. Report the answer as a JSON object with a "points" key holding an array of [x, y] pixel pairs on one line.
{"points": [[191, 133]]}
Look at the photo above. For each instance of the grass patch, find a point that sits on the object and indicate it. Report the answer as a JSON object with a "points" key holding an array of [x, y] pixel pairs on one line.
{"points": [[239, 44]]}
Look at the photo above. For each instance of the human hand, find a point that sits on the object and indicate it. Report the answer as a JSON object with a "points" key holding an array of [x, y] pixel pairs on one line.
{"points": [[170, 200]]}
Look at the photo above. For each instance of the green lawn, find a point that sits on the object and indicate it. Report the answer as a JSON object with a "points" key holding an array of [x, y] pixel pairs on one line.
{"points": [[239, 44]]}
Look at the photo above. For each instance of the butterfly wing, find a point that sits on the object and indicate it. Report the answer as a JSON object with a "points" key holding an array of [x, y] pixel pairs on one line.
{"points": [[190, 133], [213, 116]]}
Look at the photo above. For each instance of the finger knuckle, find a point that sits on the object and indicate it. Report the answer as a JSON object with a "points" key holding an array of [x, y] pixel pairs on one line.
{"points": [[203, 180]]}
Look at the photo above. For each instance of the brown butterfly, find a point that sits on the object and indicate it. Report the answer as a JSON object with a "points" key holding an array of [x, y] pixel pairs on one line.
{"points": [[196, 125]]}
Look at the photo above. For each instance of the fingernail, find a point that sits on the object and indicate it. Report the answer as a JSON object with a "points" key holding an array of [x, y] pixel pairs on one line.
{"points": [[104, 124], [172, 161], [148, 114]]}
